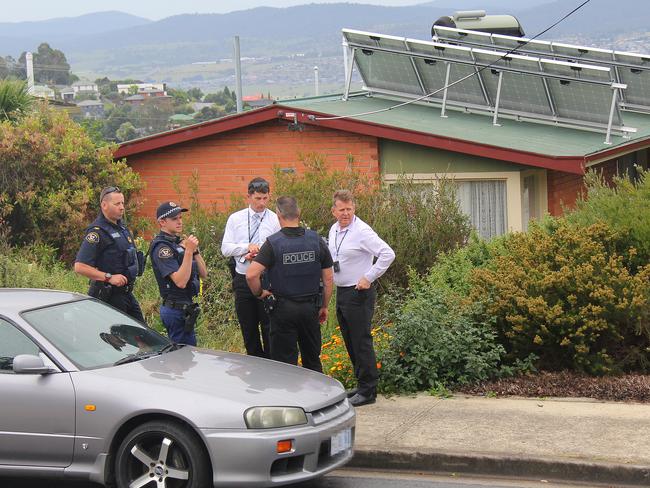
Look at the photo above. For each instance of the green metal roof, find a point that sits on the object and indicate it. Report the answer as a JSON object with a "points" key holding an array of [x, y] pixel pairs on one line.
{"points": [[533, 137]]}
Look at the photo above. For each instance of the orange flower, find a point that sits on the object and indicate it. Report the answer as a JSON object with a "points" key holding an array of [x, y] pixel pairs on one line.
{"points": [[378, 364]]}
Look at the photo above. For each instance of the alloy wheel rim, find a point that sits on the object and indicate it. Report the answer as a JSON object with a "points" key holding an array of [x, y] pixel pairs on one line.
{"points": [[161, 462]]}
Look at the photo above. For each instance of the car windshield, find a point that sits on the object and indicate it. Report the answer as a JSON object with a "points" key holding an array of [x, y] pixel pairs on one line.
{"points": [[93, 335]]}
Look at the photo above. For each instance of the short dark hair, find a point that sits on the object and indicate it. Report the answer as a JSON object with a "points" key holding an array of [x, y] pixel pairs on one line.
{"points": [[342, 196], [258, 185], [107, 191], [288, 208]]}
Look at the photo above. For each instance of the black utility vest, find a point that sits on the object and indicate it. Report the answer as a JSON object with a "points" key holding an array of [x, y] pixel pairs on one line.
{"points": [[121, 256], [166, 286], [296, 271]]}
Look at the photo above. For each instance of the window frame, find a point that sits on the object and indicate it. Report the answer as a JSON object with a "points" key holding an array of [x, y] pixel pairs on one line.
{"points": [[514, 189]]}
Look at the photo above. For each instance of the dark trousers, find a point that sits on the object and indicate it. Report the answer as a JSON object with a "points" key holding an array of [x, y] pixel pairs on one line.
{"points": [[125, 302], [354, 310], [295, 325], [253, 320], [174, 321]]}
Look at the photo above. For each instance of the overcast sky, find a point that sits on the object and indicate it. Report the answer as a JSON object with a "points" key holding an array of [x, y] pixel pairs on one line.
{"points": [[24, 10]]}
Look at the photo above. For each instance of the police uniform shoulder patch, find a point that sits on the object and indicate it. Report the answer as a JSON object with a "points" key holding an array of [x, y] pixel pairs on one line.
{"points": [[165, 252], [92, 237]]}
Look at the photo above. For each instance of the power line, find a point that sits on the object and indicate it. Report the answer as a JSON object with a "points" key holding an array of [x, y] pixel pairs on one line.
{"points": [[475, 73]]}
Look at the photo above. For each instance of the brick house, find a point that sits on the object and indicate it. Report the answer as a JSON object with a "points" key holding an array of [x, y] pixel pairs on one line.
{"points": [[507, 175]]}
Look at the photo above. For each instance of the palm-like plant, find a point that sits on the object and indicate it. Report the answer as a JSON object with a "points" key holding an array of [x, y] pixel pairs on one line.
{"points": [[15, 100]]}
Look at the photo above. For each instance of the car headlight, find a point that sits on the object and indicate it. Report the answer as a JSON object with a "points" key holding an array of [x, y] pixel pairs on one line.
{"points": [[274, 417]]}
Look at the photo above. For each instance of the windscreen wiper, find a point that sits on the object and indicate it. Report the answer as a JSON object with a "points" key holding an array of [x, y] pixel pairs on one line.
{"points": [[131, 358], [172, 346]]}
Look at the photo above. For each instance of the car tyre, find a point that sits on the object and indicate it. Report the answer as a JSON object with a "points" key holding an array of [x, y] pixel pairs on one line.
{"points": [[162, 454]]}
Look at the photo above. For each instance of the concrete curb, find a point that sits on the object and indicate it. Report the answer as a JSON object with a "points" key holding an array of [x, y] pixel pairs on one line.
{"points": [[504, 466]]}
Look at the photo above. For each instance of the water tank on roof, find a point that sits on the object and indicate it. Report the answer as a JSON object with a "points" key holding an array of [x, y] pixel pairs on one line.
{"points": [[478, 20]]}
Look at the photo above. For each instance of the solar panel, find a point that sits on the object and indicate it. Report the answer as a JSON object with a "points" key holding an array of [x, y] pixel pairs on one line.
{"points": [[383, 70], [520, 91], [630, 69], [525, 87], [433, 68], [636, 75]]}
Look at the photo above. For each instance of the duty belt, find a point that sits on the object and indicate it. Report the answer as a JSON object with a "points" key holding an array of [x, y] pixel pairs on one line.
{"points": [[124, 289], [116, 289], [176, 305], [302, 299]]}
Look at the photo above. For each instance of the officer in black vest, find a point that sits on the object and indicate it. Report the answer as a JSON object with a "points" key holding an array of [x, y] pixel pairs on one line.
{"points": [[177, 266], [109, 258], [298, 261]]}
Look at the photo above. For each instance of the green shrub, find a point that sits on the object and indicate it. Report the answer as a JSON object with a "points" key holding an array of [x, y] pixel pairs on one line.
{"points": [[436, 341], [624, 206], [564, 293], [51, 175], [314, 187]]}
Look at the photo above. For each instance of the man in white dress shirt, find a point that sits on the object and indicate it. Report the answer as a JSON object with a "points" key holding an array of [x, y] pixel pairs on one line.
{"points": [[246, 231], [354, 245]]}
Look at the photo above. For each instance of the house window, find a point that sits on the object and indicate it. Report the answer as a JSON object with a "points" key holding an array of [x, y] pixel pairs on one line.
{"points": [[492, 200], [485, 202], [530, 206]]}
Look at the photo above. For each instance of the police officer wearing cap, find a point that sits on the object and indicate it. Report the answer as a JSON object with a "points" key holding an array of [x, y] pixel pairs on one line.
{"points": [[297, 260], [109, 258], [177, 266]]}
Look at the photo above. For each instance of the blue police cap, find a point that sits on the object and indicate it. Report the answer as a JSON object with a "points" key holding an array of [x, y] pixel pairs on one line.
{"points": [[168, 209]]}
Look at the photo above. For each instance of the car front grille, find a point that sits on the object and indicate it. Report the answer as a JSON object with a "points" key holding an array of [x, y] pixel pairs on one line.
{"points": [[330, 412]]}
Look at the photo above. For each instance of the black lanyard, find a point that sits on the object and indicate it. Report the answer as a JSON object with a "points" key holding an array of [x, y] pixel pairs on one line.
{"points": [[338, 246], [248, 215]]}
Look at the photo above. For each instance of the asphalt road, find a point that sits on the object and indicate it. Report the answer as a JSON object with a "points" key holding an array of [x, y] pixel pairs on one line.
{"points": [[347, 478]]}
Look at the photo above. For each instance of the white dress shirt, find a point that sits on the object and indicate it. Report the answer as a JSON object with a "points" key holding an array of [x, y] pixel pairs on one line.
{"points": [[355, 247], [236, 237]]}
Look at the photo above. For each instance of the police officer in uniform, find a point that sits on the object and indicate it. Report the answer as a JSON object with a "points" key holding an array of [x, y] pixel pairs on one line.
{"points": [[298, 261], [177, 266], [109, 258]]}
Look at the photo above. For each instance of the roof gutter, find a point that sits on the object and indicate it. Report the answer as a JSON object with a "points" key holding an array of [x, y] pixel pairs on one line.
{"points": [[566, 164]]}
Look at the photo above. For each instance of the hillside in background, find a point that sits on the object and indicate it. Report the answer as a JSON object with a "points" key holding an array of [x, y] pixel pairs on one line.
{"points": [[16, 37], [284, 44]]}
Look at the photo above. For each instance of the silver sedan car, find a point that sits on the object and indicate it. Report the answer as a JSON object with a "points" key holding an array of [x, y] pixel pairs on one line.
{"points": [[88, 393]]}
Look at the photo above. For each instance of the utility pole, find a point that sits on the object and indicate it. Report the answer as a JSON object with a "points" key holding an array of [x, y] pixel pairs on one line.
{"points": [[238, 94], [316, 81], [29, 67]]}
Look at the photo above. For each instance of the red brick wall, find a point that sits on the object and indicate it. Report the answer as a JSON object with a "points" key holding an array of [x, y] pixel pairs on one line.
{"points": [[564, 188], [227, 162]]}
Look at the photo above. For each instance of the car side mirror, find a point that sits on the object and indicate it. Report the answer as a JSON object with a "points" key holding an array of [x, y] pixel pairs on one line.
{"points": [[29, 364]]}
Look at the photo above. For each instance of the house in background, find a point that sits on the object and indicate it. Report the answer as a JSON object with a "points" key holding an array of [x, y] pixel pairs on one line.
{"points": [[91, 109], [85, 88], [66, 93], [517, 141], [43, 91], [134, 100], [257, 101], [145, 89]]}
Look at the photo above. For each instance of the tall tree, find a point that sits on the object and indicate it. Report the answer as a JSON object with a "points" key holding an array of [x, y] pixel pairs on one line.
{"points": [[50, 66]]}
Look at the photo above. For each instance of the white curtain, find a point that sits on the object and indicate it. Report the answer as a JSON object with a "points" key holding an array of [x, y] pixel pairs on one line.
{"points": [[485, 203]]}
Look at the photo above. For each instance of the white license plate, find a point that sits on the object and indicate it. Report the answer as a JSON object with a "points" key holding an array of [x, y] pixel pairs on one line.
{"points": [[341, 441]]}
